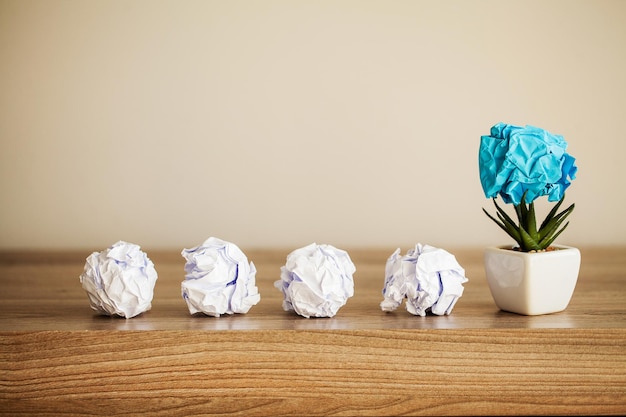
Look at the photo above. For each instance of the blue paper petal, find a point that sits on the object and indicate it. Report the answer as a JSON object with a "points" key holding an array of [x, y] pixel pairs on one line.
{"points": [[514, 160]]}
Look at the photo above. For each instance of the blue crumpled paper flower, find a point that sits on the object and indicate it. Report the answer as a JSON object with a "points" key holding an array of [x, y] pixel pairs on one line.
{"points": [[429, 278], [218, 280], [316, 280], [514, 159]]}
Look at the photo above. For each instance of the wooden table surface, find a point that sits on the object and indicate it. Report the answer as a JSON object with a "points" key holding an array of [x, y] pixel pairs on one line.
{"points": [[58, 357]]}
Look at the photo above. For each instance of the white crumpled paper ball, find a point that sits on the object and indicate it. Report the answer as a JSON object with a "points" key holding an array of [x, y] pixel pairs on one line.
{"points": [[429, 278], [316, 280], [119, 280], [218, 279]]}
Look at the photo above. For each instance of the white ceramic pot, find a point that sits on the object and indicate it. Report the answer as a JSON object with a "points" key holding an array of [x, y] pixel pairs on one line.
{"points": [[532, 283]]}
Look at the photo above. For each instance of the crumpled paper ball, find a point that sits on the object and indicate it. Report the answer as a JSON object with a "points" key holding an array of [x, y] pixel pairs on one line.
{"points": [[513, 160], [218, 279], [429, 278], [316, 280], [119, 280]]}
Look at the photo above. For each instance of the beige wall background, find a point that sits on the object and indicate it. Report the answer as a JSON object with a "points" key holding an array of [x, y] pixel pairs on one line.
{"points": [[281, 123]]}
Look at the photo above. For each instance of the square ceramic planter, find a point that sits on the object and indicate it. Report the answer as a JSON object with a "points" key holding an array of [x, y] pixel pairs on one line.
{"points": [[532, 283]]}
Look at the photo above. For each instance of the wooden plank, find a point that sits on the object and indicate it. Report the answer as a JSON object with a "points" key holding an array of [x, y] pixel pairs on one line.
{"points": [[290, 372], [57, 356]]}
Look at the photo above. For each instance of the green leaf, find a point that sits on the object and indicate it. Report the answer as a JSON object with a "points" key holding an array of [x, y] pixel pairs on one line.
{"points": [[511, 225], [531, 223], [511, 228], [522, 210], [504, 226], [503, 213], [528, 242], [552, 212], [549, 241], [549, 235], [525, 232], [550, 227], [519, 210]]}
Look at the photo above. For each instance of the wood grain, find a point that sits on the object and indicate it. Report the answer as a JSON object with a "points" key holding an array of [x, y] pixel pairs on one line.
{"points": [[58, 358]]}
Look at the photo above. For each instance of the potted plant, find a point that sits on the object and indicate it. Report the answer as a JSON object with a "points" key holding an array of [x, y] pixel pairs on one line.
{"points": [[520, 164]]}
